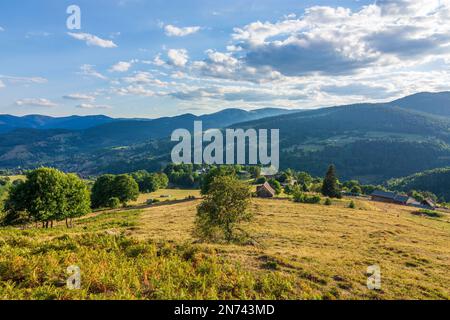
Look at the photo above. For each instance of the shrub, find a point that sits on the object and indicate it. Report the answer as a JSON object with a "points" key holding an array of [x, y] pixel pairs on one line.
{"points": [[328, 202], [352, 205], [301, 197], [113, 203], [430, 213]]}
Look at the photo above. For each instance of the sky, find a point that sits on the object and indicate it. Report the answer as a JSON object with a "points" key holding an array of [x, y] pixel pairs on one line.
{"points": [[152, 58]]}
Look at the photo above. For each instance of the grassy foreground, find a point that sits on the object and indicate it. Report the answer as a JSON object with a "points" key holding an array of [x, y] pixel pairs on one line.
{"points": [[297, 252]]}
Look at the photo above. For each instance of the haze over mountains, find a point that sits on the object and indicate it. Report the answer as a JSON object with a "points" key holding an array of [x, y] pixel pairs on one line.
{"points": [[370, 142]]}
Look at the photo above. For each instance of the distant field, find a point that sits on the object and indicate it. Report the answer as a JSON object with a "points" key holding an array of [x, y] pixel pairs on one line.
{"points": [[298, 251], [167, 195], [14, 178]]}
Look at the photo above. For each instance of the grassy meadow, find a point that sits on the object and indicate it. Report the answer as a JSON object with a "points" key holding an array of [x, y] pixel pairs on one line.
{"points": [[297, 251]]}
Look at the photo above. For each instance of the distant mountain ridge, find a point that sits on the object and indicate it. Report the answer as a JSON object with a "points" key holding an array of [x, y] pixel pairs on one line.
{"points": [[158, 126], [9, 122], [371, 142]]}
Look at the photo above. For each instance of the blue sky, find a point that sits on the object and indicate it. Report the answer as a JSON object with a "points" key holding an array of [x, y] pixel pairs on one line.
{"points": [[137, 58]]}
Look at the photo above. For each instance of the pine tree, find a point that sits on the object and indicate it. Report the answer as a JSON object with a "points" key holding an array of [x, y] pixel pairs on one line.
{"points": [[330, 187]]}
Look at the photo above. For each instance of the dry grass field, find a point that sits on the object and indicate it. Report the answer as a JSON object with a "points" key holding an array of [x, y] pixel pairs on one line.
{"points": [[330, 247], [298, 251]]}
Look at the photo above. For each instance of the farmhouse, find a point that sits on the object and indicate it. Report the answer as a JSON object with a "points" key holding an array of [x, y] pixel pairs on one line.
{"points": [[428, 204], [392, 197], [265, 191]]}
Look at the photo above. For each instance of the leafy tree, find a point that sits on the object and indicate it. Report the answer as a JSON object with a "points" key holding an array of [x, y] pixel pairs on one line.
{"points": [[330, 187], [304, 178], [125, 188], [275, 185], [214, 173], [292, 189], [15, 206], [102, 191], [349, 185], [224, 207], [255, 171], [283, 177], [45, 196], [78, 202], [261, 180], [163, 180], [356, 190]]}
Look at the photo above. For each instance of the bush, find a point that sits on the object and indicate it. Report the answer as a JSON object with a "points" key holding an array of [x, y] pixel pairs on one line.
{"points": [[352, 205], [430, 213], [328, 202], [261, 180], [300, 197], [113, 203]]}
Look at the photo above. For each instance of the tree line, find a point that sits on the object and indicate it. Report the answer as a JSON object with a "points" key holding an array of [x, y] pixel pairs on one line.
{"points": [[47, 195]]}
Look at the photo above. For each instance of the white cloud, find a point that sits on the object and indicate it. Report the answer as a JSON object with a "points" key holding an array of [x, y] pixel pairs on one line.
{"points": [[36, 103], [139, 77], [173, 31], [178, 57], [158, 61], [134, 90], [2, 85], [341, 41], [23, 80], [122, 66], [92, 40], [93, 106], [88, 70], [79, 96]]}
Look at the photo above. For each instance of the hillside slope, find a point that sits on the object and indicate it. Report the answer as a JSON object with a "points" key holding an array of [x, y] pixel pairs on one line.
{"points": [[436, 181], [370, 142], [299, 252]]}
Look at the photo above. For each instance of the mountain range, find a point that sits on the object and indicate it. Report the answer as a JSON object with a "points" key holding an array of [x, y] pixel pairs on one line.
{"points": [[370, 142]]}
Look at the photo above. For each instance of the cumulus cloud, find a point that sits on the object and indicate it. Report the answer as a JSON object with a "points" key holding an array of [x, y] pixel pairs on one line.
{"points": [[225, 66], [79, 96], [335, 41], [92, 40], [121, 66], [134, 90], [173, 31], [177, 57], [40, 102], [139, 77]]}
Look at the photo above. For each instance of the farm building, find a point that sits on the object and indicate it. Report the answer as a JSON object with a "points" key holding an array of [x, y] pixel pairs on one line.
{"points": [[428, 204], [392, 197], [265, 191]]}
